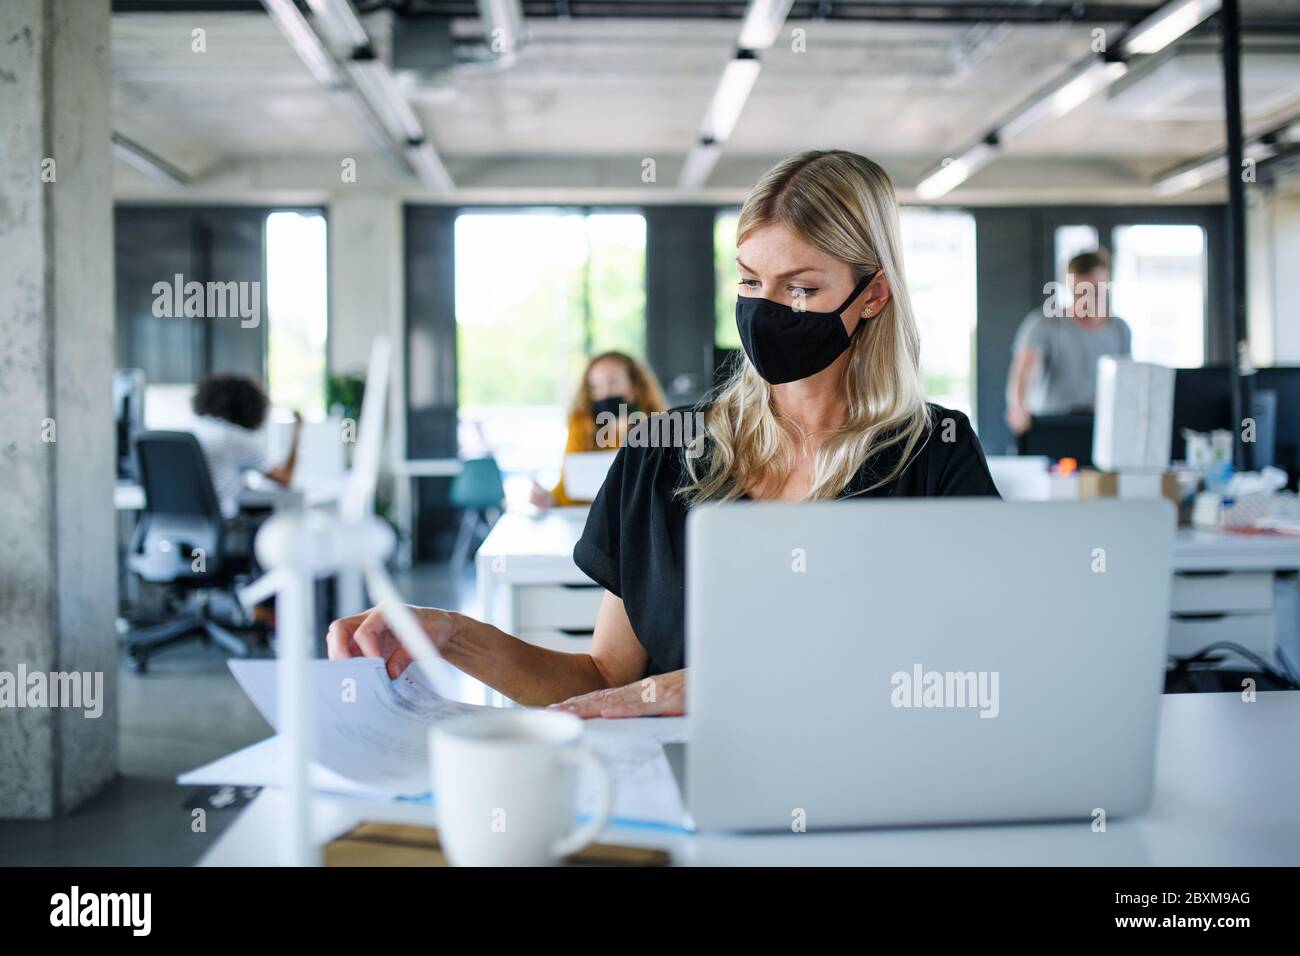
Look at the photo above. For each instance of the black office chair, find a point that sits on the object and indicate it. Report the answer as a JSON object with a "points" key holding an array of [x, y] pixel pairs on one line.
{"points": [[180, 541]]}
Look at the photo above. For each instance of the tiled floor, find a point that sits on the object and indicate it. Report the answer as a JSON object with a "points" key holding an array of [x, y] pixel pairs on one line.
{"points": [[185, 712]]}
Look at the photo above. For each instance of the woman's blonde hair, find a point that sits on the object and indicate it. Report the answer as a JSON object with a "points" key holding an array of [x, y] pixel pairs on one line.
{"points": [[844, 205], [649, 395]]}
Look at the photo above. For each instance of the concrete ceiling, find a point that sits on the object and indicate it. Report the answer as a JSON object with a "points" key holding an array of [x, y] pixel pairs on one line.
{"points": [[589, 99]]}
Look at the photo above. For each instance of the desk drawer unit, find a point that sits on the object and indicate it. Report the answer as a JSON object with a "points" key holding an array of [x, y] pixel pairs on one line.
{"points": [[556, 606], [569, 642], [1222, 592], [1255, 632], [1236, 606]]}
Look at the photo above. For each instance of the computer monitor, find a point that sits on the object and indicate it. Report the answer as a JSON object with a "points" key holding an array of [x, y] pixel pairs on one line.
{"points": [[1285, 383], [128, 415], [1202, 403]]}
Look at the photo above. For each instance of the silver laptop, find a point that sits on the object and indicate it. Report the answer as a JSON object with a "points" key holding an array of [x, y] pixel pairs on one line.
{"points": [[930, 661]]}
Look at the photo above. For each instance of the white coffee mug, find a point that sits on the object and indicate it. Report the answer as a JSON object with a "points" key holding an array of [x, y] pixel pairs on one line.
{"points": [[504, 785]]}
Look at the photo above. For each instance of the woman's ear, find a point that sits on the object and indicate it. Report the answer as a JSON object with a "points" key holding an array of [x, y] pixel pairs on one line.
{"points": [[869, 305], [877, 296]]}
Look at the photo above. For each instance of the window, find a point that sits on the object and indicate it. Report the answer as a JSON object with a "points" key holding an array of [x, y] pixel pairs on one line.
{"points": [[1158, 276], [939, 255], [296, 304], [537, 292], [725, 334]]}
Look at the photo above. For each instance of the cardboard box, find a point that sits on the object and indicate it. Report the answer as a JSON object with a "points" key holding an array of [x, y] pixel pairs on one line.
{"points": [[1134, 416], [1129, 484]]}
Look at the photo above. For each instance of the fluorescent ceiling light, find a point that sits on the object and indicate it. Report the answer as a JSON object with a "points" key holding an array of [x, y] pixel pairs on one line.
{"points": [[339, 21], [699, 165], [759, 30], [762, 23], [153, 166], [1190, 177], [953, 172], [305, 42], [1075, 88], [730, 97], [375, 83], [1207, 169], [1168, 24], [429, 168]]}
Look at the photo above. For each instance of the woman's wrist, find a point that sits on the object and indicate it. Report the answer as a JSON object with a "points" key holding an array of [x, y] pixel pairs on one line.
{"points": [[459, 638]]}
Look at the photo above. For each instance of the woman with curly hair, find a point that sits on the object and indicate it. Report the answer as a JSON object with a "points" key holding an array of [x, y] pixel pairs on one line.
{"points": [[231, 410]]}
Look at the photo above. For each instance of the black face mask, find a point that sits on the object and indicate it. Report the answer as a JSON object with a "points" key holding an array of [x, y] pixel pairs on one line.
{"points": [[786, 345], [609, 405]]}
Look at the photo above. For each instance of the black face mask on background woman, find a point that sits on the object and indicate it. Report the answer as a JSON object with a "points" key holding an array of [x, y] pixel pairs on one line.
{"points": [[610, 406], [785, 344]]}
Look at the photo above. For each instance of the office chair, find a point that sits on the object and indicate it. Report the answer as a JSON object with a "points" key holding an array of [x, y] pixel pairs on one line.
{"points": [[479, 492], [180, 541]]}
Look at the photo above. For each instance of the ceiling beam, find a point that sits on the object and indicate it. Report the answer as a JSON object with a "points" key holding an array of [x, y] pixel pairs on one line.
{"points": [[148, 162], [932, 11], [1208, 168]]}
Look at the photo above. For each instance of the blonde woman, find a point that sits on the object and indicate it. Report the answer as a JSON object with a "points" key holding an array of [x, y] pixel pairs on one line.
{"points": [[827, 404], [614, 386]]}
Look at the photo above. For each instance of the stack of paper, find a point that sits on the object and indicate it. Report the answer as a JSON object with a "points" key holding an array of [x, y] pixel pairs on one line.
{"points": [[371, 740]]}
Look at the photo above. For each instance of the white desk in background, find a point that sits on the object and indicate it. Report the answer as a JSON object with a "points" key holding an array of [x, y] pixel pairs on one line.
{"points": [[129, 496], [528, 584], [1226, 794], [1227, 588], [1224, 584], [404, 500]]}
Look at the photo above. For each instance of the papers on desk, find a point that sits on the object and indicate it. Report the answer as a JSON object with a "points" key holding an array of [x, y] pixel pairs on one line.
{"points": [[584, 472], [369, 730], [371, 740]]}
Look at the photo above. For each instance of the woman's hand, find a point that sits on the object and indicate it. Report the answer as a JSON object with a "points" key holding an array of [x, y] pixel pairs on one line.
{"points": [[661, 696], [541, 498], [367, 635]]}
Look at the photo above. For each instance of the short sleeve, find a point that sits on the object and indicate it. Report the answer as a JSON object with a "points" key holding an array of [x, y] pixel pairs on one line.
{"points": [[634, 543], [597, 552], [964, 472], [1125, 338], [1034, 334]]}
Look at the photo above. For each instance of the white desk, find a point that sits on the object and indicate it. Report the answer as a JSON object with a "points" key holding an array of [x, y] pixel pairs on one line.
{"points": [[1202, 550], [1225, 590], [404, 500], [129, 496], [1227, 794], [528, 584]]}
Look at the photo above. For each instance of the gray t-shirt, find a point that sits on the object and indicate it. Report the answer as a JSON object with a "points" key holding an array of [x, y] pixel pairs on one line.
{"points": [[1067, 379]]}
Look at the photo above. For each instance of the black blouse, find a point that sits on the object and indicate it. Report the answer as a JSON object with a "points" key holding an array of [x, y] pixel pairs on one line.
{"points": [[634, 543]]}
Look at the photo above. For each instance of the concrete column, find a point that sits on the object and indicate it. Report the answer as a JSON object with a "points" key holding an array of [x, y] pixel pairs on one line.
{"points": [[365, 250], [367, 293], [57, 524]]}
